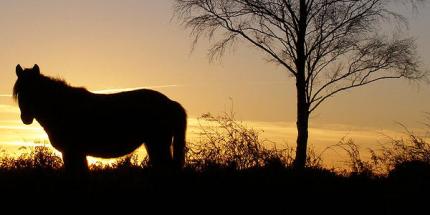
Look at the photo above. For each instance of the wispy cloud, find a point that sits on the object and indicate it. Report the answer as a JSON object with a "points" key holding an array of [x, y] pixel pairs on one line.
{"points": [[8, 109], [25, 128]]}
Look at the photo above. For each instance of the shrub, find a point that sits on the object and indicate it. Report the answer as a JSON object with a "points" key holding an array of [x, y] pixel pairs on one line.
{"points": [[398, 153], [39, 157], [355, 165], [225, 142], [402, 150]]}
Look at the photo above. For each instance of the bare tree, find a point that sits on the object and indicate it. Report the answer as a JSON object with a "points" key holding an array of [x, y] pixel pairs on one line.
{"points": [[328, 46]]}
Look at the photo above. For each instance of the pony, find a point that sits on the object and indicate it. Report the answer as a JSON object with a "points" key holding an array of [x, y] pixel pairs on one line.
{"points": [[80, 123]]}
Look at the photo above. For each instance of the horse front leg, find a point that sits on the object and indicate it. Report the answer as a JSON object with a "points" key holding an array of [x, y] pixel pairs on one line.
{"points": [[75, 164]]}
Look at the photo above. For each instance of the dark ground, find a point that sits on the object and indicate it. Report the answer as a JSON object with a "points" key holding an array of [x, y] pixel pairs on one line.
{"points": [[277, 190]]}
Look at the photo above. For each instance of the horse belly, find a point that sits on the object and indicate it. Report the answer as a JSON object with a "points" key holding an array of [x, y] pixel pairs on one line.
{"points": [[109, 143], [117, 131]]}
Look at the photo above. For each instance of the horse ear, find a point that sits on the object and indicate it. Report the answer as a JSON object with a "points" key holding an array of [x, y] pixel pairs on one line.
{"points": [[36, 69], [19, 70]]}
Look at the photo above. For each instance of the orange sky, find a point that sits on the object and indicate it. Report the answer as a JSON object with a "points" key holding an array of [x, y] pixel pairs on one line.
{"points": [[110, 44]]}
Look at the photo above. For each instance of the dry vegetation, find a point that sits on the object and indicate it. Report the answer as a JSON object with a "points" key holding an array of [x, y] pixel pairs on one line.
{"points": [[229, 144], [233, 161]]}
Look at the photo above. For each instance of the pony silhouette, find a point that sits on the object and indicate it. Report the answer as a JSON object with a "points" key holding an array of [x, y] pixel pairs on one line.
{"points": [[80, 123]]}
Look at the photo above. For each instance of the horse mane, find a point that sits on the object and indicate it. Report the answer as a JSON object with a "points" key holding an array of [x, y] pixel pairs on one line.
{"points": [[55, 83]]}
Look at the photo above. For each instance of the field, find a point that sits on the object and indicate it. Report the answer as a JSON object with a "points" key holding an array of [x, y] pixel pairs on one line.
{"points": [[232, 173]]}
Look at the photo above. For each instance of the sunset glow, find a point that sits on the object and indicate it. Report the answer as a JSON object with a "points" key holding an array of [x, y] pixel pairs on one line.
{"points": [[141, 46]]}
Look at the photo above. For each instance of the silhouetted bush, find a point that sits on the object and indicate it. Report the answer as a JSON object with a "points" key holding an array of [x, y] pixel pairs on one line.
{"points": [[412, 172], [227, 143], [397, 153], [403, 150], [355, 164], [40, 157]]}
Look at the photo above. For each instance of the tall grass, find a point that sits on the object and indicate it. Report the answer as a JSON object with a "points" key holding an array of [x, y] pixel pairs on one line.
{"points": [[229, 144], [40, 157], [395, 153], [231, 164]]}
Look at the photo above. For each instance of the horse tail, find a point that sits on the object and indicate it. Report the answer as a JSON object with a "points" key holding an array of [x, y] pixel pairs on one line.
{"points": [[179, 130]]}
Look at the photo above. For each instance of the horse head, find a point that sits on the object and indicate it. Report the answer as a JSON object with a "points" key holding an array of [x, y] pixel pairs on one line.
{"points": [[23, 91]]}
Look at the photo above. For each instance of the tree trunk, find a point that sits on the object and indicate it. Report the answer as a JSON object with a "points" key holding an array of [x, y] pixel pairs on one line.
{"points": [[302, 103], [302, 130]]}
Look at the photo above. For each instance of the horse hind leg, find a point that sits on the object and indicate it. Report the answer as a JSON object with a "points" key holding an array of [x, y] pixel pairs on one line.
{"points": [[160, 156]]}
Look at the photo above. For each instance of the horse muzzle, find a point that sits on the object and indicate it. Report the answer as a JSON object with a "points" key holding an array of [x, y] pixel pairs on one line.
{"points": [[27, 120]]}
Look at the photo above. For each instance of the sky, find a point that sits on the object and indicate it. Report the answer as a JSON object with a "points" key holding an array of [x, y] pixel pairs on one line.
{"points": [[118, 45]]}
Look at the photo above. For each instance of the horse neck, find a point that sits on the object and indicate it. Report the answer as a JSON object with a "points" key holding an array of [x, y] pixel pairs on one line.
{"points": [[53, 98]]}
